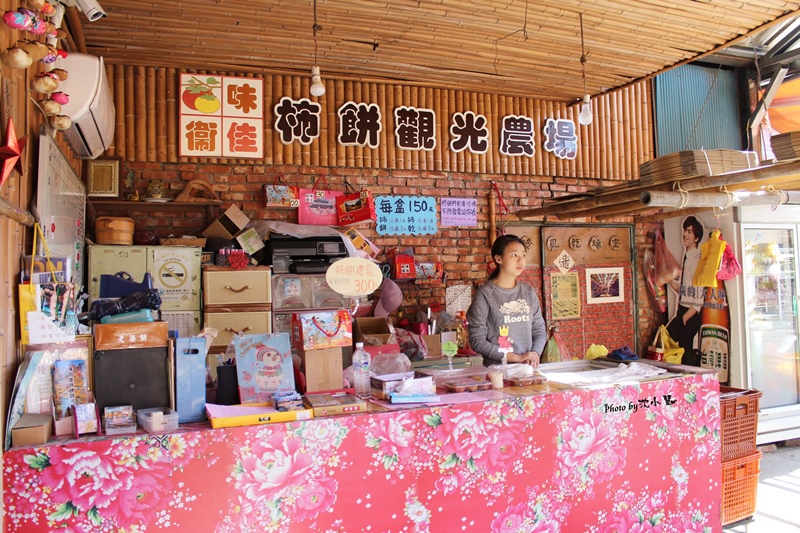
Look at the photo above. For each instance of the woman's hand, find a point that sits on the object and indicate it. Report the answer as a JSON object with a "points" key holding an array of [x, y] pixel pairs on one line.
{"points": [[531, 358]]}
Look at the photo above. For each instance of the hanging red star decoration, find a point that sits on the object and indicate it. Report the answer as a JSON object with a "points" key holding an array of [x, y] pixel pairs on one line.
{"points": [[11, 152]]}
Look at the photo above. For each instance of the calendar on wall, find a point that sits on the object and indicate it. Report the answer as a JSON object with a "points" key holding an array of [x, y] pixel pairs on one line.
{"points": [[61, 203]]}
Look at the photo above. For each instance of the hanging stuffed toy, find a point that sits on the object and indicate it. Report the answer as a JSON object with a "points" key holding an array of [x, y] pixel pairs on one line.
{"points": [[26, 20], [710, 257], [46, 82]]}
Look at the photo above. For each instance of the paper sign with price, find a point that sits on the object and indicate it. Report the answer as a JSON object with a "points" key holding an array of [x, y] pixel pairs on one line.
{"points": [[406, 215], [354, 276]]}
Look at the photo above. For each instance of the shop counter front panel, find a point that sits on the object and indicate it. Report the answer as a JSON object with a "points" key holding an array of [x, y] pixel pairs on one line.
{"points": [[638, 457]]}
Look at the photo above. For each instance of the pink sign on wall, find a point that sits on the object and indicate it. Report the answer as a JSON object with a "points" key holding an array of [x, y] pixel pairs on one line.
{"points": [[221, 116]]}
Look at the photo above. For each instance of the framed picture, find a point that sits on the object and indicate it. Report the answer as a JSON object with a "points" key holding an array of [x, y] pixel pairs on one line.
{"points": [[102, 178], [605, 285]]}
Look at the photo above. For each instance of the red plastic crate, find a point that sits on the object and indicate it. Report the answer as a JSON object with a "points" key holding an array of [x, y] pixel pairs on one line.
{"points": [[738, 421], [739, 487]]}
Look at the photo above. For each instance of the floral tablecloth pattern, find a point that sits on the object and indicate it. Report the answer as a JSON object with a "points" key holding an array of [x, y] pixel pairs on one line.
{"points": [[627, 459]]}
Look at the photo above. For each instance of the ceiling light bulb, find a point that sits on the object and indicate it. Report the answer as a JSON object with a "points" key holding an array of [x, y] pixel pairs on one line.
{"points": [[585, 116], [317, 87]]}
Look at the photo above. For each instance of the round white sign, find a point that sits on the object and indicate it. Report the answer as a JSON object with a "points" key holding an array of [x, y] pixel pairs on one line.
{"points": [[354, 276]]}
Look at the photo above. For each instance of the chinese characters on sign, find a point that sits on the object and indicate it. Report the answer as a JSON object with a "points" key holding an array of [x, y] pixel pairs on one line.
{"points": [[517, 136], [644, 403], [359, 124], [469, 131], [415, 128], [406, 215], [354, 276], [560, 138], [297, 120], [221, 116], [459, 212], [564, 262]]}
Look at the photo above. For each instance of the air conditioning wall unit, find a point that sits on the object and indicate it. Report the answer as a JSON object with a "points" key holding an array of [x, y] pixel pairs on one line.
{"points": [[90, 106]]}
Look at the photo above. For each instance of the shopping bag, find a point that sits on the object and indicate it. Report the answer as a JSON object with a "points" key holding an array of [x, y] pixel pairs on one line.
{"points": [[667, 267], [555, 351], [729, 268], [705, 275], [317, 206], [281, 194], [664, 348], [354, 206], [317, 331], [54, 302], [658, 294]]}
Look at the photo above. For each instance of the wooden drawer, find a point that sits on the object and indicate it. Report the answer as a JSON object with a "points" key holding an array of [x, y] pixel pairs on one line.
{"points": [[227, 286], [229, 323]]}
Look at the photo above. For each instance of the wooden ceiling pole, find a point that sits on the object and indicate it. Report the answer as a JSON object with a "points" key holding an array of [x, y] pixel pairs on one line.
{"points": [[717, 199], [75, 28], [692, 184]]}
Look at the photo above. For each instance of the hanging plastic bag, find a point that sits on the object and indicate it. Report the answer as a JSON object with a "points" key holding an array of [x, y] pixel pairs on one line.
{"points": [[705, 275], [667, 267], [664, 348], [555, 351], [658, 295], [729, 268]]}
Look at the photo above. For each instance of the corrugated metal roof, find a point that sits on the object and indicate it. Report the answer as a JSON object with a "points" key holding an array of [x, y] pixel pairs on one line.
{"points": [[683, 95]]}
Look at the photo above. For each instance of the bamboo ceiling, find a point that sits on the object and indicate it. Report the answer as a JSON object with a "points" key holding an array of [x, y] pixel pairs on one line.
{"points": [[515, 47]]}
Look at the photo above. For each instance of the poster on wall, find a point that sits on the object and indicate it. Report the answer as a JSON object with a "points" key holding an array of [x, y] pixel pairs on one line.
{"points": [[605, 285], [699, 315], [406, 215], [566, 296], [221, 116], [459, 212]]}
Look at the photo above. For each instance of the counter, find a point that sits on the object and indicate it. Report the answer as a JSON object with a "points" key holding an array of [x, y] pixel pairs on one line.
{"points": [[625, 457]]}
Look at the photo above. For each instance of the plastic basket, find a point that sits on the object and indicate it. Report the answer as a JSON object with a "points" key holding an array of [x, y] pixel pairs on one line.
{"points": [[738, 421], [739, 486]]}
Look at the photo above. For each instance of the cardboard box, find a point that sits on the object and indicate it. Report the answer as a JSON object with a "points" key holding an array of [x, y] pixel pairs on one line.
{"points": [[228, 224], [434, 344], [375, 327], [334, 404], [251, 414], [384, 385], [31, 430], [323, 369]]}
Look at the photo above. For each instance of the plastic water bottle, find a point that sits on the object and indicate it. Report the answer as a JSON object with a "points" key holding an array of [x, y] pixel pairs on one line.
{"points": [[361, 361]]}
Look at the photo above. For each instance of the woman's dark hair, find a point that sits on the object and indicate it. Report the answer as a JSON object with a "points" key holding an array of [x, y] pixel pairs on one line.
{"points": [[499, 248], [697, 227]]}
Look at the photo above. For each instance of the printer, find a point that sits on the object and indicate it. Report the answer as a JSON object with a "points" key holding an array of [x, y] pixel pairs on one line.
{"points": [[309, 255]]}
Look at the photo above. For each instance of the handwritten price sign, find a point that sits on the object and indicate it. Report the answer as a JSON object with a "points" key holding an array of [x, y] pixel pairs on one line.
{"points": [[354, 276]]}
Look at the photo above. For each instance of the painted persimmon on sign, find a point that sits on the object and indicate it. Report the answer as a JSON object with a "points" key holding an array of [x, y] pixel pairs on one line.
{"points": [[221, 116]]}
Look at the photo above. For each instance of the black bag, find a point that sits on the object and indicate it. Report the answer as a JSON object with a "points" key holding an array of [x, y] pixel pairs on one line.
{"points": [[132, 376], [149, 299]]}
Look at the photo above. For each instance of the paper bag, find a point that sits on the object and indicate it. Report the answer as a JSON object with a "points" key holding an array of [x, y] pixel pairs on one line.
{"points": [[281, 194], [354, 206], [317, 206]]}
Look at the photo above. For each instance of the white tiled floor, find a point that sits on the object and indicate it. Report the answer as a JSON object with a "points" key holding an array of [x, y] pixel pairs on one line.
{"points": [[778, 497]]}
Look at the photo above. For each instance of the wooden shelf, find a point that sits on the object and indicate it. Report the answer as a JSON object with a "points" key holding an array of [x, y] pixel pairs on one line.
{"points": [[125, 207]]}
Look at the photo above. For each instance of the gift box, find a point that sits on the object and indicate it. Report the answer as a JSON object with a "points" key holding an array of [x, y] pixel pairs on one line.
{"points": [[401, 265], [328, 329]]}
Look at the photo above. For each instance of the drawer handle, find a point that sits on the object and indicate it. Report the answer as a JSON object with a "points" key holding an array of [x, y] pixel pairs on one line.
{"points": [[238, 290], [248, 328]]}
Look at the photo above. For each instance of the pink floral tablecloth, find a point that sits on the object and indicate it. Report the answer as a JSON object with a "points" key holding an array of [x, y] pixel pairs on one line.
{"points": [[632, 458]]}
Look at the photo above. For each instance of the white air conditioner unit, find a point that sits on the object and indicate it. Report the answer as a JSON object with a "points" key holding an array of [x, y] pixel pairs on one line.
{"points": [[90, 106]]}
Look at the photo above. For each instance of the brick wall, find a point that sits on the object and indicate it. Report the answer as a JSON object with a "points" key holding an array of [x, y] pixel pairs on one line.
{"points": [[464, 251]]}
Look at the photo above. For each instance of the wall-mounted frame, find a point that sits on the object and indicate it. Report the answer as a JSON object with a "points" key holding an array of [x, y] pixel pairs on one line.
{"points": [[103, 178], [605, 285]]}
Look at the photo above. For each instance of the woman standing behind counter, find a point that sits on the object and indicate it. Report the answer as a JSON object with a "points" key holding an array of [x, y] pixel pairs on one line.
{"points": [[503, 300]]}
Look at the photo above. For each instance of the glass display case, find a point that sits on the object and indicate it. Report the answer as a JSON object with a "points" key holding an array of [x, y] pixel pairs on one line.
{"points": [[770, 299]]}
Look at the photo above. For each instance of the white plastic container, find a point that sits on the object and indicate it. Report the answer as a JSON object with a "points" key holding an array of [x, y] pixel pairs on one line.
{"points": [[157, 419]]}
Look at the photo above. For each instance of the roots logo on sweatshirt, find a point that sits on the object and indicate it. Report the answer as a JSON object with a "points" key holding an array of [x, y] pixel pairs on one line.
{"points": [[516, 311]]}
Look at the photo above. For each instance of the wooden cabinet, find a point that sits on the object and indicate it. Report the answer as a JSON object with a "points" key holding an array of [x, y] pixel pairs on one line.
{"points": [[237, 301]]}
